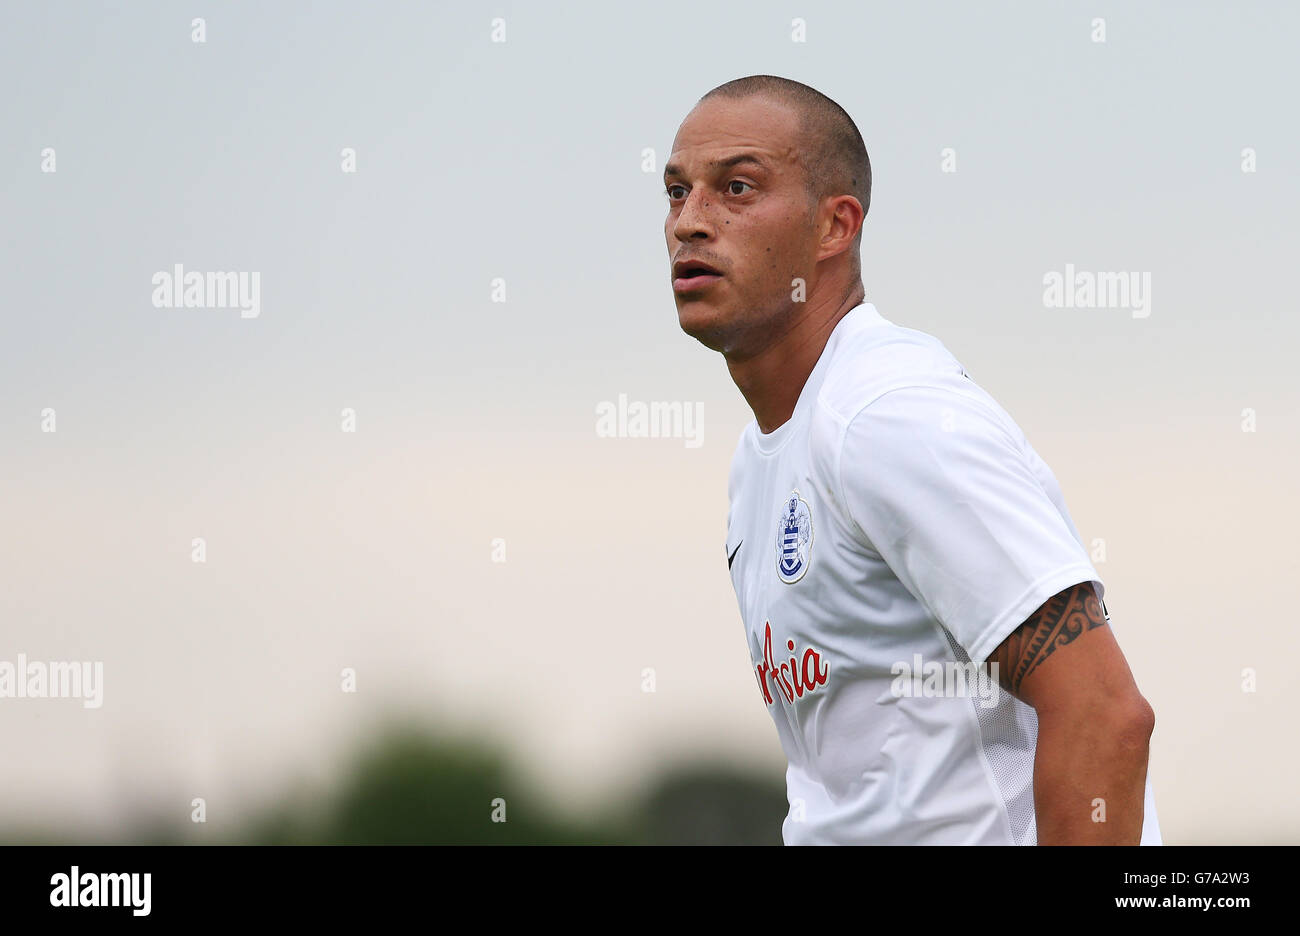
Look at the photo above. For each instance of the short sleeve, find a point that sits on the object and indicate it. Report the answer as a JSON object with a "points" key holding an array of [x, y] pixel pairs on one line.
{"points": [[938, 483]]}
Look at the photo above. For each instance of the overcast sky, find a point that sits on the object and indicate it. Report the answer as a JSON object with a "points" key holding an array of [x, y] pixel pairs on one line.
{"points": [[520, 166]]}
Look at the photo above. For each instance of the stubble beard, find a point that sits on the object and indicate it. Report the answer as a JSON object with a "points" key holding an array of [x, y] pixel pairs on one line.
{"points": [[749, 329]]}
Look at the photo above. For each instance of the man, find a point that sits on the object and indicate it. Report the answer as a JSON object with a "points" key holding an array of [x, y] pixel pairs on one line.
{"points": [[890, 526]]}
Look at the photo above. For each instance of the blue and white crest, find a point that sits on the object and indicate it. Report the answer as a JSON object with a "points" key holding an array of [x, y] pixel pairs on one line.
{"points": [[794, 536]]}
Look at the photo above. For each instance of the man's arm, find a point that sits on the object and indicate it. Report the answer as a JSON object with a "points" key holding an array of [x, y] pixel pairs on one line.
{"points": [[1094, 727], [940, 483]]}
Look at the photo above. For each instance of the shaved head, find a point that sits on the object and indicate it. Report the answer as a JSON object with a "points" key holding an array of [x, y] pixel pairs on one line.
{"points": [[831, 149]]}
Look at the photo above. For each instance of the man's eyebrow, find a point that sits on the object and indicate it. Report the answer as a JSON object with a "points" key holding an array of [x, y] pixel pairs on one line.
{"points": [[672, 169]]}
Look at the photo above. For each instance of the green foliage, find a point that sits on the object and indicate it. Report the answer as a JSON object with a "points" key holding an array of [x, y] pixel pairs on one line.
{"points": [[411, 786]]}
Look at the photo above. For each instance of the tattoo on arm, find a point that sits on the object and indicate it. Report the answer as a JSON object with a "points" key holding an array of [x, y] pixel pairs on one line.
{"points": [[1061, 619]]}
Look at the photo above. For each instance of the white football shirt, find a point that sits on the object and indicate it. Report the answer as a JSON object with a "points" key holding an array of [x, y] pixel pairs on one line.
{"points": [[887, 536]]}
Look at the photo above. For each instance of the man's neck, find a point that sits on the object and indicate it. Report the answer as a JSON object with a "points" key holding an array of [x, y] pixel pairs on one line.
{"points": [[772, 380]]}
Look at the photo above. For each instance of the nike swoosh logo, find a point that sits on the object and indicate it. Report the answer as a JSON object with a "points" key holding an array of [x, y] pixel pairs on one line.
{"points": [[732, 557]]}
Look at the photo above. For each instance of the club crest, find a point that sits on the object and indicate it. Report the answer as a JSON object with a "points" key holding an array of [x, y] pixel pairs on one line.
{"points": [[794, 537]]}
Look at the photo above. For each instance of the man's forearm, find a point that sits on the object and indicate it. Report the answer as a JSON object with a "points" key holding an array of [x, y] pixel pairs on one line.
{"points": [[1090, 775]]}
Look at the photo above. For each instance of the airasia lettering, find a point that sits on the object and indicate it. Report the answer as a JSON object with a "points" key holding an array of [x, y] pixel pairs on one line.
{"points": [[793, 678]]}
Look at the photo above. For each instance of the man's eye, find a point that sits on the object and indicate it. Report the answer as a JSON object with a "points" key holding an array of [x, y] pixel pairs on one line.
{"points": [[671, 189], [737, 182]]}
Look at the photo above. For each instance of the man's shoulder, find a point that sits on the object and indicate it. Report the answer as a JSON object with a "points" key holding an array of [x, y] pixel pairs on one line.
{"points": [[875, 361]]}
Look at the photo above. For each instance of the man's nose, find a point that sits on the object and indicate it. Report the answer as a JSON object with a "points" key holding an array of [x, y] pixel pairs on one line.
{"points": [[695, 218]]}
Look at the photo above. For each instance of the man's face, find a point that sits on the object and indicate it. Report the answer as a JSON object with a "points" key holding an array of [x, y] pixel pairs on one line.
{"points": [[737, 202]]}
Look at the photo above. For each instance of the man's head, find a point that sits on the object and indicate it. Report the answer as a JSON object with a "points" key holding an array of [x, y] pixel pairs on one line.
{"points": [[768, 183]]}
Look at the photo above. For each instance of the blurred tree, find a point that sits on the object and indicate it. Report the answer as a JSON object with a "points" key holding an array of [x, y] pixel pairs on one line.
{"points": [[412, 786], [416, 789], [713, 805]]}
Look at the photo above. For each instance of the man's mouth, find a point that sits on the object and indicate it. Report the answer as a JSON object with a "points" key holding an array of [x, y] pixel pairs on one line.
{"points": [[690, 275]]}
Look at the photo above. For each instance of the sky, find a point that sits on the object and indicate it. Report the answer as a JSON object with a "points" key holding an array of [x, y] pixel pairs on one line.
{"points": [[494, 271]]}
